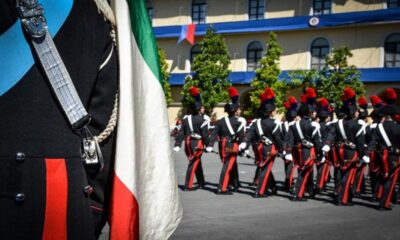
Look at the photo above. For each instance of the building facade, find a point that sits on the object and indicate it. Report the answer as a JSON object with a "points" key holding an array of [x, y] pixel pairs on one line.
{"points": [[307, 30]]}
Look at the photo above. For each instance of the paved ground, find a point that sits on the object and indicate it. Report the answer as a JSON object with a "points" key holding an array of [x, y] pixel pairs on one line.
{"points": [[240, 216]]}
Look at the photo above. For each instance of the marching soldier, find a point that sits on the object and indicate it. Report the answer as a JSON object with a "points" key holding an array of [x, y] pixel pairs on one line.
{"points": [[303, 142], [359, 180], [349, 135], [290, 120], [230, 131], [375, 159], [266, 132], [194, 132], [323, 166], [387, 134]]}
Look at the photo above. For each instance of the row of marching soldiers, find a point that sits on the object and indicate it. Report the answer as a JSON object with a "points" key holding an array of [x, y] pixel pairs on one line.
{"points": [[308, 135]]}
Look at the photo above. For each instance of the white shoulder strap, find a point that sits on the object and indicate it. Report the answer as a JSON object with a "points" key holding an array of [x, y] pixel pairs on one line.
{"points": [[341, 128], [317, 128], [259, 128], [384, 135], [277, 125], [362, 129], [299, 131], [228, 124], [190, 123], [242, 125]]}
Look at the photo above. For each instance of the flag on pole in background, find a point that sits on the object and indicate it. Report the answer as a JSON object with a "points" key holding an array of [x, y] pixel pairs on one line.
{"points": [[145, 202], [187, 32]]}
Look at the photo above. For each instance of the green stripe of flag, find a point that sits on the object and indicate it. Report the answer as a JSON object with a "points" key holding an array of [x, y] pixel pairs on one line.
{"points": [[143, 33]]}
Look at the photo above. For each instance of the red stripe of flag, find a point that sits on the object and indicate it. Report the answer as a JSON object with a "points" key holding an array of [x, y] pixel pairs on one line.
{"points": [[191, 30], [124, 215]]}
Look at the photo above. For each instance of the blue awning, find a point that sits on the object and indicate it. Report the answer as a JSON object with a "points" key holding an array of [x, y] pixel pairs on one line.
{"points": [[368, 75], [288, 23]]}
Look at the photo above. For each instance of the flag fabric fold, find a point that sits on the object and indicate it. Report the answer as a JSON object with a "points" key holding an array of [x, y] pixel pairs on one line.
{"points": [[145, 202], [188, 33]]}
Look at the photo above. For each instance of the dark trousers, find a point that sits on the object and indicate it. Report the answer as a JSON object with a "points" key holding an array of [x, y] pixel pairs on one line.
{"points": [[228, 173], [344, 189], [194, 151], [306, 158]]}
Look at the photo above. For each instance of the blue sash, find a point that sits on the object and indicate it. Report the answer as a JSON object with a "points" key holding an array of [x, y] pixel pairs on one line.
{"points": [[15, 54]]}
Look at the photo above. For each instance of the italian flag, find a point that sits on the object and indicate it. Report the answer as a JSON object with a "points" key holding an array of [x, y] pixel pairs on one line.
{"points": [[145, 202]]}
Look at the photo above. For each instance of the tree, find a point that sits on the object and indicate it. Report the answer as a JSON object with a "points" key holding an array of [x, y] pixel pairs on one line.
{"points": [[338, 75], [267, 76], [187, 99], [165, 76], [210, 71]]}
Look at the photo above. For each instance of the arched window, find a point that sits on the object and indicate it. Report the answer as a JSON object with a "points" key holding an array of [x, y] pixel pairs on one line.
{"points": [[150, 9], [392, 50], [196, 50], [254, 55], [256, 9], [319, 51], [393, 3], [321, 7], [199, 11]]}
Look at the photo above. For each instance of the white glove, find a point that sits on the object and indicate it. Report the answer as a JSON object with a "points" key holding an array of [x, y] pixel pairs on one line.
{"points": [[246, 152], [365, 159], [323, 159], [209, 149], [326, 148], [284, 153], [176, 149], [242, 146], [289, 157]]}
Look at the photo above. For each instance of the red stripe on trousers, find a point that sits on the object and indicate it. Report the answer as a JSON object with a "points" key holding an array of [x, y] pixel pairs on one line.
{"points": [[361, 178], [308, 167], [232, 160], [192, 173], [55, 218], [266, 176], [394, 181], [196, 157], [124, 213], [348, 182]]}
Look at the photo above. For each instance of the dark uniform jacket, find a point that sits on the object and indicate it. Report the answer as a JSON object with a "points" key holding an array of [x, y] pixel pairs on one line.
{"points": [[311, 133], [270, 128], [34, 131], [355, 134], [221, 130], [392, 130], [200, 128]]}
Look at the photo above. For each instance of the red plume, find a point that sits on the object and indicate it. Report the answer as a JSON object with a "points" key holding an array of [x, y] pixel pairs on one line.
{"points": [[375, 100], [303, 99], [362, 101], [348, 93], [286, 105], [323, 102], [310, 92], [233, 92], [269, 93], [292, 100], [194, 91], [390, 94], [263, 97]]}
